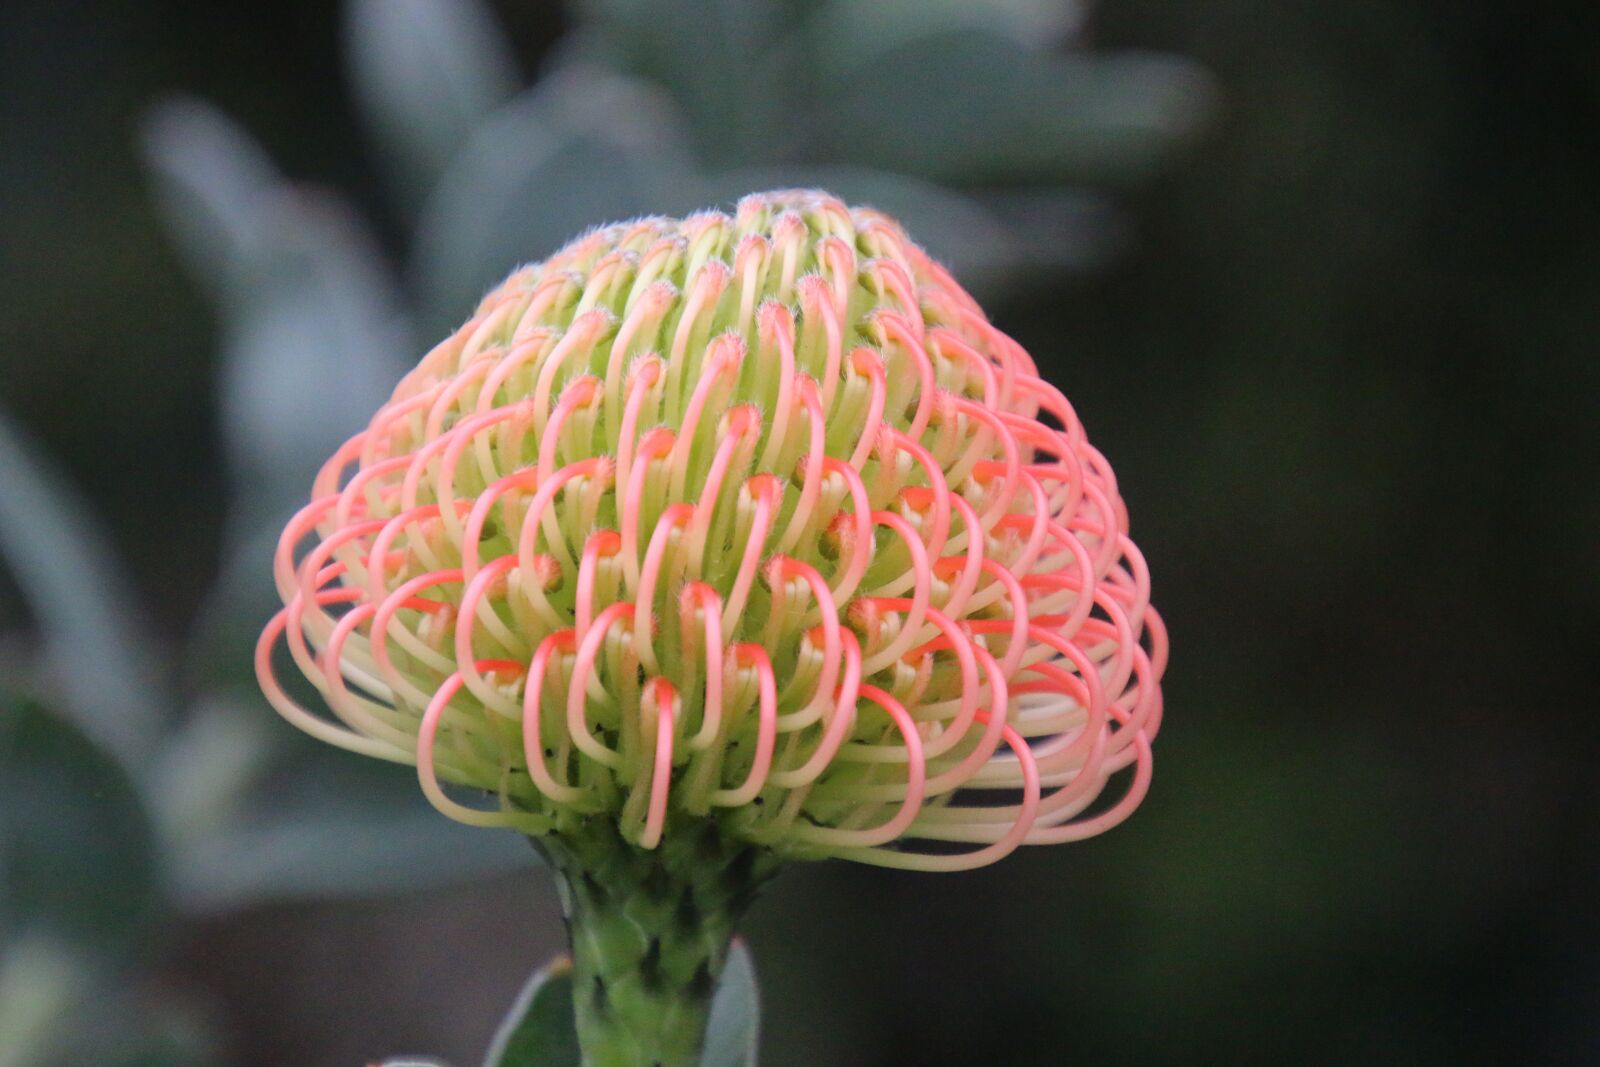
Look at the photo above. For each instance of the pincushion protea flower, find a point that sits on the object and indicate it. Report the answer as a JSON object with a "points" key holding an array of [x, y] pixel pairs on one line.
{"points": [[711, 543]]}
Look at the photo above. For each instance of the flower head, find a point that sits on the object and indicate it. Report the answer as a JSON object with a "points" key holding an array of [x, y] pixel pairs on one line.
{"points": [[754, 518]]}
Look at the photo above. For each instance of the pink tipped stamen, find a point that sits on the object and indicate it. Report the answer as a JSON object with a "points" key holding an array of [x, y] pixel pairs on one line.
{"points": [[702, 609], [916, 774], [660, 703], [427, 773], [558, 643], [766, 729], [577, 695]]}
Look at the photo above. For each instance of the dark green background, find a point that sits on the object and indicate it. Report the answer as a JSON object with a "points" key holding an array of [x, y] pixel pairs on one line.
{"points": [[1347, 372]]}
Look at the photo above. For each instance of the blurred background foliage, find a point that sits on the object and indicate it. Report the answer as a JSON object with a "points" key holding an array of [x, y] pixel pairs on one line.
{"points": [[1323, 289]]}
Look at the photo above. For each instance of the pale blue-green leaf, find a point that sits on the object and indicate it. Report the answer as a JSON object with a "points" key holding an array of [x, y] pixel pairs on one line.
{"points": [[325, 824], [305, 858], [315, 336], [954, 228], [849, 33], [77, 855], [976, 106], [314, 331], [1063, 228], [734, 1032], [582, 148], [89, 618], [719, 61], [539, 1030], [209, 178], [424, 73], [205, 772]]}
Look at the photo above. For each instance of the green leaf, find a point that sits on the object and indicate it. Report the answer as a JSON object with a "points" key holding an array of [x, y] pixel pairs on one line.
{"points": [[77, 855], [424, 74], [539, 1030], [582, 148], [1006, 113], [88, 617], [734, 1032]]}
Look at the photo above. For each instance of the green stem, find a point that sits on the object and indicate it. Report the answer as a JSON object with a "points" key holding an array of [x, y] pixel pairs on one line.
{"points": [[650, 930]]}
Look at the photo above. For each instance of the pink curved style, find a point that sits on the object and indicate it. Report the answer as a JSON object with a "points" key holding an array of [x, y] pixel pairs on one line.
{"points": [[748, 517]]}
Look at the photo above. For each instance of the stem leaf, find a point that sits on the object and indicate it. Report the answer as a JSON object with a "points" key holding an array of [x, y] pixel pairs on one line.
{"points": [[539, 1030], [734, 1032]]}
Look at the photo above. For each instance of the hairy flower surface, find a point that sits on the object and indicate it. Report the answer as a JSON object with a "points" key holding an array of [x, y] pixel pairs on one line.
{"points": [[753, 518]]}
